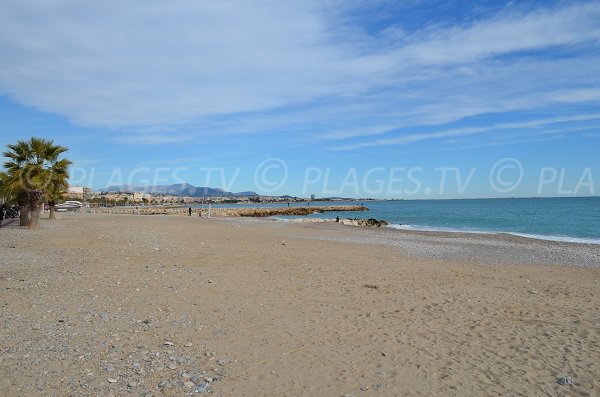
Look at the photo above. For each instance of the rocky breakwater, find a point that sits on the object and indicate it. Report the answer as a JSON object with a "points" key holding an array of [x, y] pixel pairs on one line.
{"points": [[227, 212], [272, 211]]}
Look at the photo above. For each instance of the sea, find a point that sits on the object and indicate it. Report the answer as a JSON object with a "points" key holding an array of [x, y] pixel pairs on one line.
{"points": [[571, 219]]}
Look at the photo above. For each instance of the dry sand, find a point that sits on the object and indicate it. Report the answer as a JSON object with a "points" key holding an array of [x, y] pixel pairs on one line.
{"points": [[289, 309]]}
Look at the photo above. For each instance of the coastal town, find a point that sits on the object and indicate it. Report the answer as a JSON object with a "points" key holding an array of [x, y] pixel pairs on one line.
{"points": [[101, 198]]}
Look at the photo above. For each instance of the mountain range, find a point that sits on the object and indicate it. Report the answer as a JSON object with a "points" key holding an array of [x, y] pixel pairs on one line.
{"points": [[180, 189]]}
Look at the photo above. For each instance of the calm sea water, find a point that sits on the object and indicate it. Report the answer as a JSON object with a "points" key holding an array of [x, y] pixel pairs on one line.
{"points": [[565, 219]]}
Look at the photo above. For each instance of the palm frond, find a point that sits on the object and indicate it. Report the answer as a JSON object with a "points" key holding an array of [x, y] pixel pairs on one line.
{"points": [[34, 167]]}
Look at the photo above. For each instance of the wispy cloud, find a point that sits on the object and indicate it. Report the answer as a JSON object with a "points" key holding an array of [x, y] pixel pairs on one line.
{"points": [[459, 132], [152, 139], [171, 72], [507, 33]]}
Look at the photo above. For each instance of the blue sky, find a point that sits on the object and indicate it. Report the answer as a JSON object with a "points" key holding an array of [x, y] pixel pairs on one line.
{"points": [[412, 99]]}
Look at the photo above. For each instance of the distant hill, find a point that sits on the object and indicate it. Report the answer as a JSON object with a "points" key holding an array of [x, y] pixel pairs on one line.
{"points": [[181, 189]]}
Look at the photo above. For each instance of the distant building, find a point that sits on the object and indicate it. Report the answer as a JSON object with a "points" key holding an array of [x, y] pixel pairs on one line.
{"points": [[119, 197], [75, 192], [138, 196], [312, 197]]}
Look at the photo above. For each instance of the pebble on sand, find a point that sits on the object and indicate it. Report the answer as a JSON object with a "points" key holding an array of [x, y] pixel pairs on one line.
{"points": [[564, 381], [201, 388], [378, 386]]}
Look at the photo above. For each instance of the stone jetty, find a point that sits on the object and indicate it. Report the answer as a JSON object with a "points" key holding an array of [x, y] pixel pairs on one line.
{"points": [[225, 212]]}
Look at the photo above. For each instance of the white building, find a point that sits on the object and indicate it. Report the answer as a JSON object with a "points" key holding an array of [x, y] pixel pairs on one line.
{"points": [[75, 192]]}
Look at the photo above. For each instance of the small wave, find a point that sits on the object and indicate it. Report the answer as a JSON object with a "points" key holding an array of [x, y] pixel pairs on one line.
{"points": [[277, 218], [564, 239], [437, 229]]}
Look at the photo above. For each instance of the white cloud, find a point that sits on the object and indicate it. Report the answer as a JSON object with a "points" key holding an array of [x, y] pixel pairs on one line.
{"points": [[148, 63], [152, 139], [466, 131], [509, 32], [233, 66]]}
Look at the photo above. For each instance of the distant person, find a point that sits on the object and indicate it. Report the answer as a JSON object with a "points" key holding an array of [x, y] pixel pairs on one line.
{"points": [[288, 204], [190, 211], [337, 219], [1, 215]]}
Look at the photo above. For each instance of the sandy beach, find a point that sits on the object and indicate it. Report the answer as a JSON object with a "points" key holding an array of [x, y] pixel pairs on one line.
{"points": [[125, 305]]}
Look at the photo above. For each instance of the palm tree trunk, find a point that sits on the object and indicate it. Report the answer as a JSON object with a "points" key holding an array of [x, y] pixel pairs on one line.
{"points": [[51, 205], [36, 208], [35, 204], [24, 214]]}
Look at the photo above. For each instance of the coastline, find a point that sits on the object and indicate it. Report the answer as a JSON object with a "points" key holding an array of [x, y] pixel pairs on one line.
{"points": [[470, 246], [297, 214], [449, 231], [473, 247]]}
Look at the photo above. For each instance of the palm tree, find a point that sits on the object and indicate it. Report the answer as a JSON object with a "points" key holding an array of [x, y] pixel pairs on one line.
{"points": [[11, 178], [23, 203], [34, 172], [58, 187]]}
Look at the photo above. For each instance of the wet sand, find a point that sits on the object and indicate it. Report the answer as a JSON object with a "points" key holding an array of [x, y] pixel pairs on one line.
{"points": [[116, 305]]}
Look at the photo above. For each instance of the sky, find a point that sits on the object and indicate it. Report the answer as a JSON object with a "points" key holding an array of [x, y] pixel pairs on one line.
{"points": [[385, 99]]}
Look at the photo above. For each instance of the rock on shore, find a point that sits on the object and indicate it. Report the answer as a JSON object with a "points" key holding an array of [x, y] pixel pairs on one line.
{"points": [[371, 222]]}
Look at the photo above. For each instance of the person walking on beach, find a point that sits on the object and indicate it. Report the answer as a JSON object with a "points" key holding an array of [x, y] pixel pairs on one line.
{"points": [[190, 211], [1, 214]]}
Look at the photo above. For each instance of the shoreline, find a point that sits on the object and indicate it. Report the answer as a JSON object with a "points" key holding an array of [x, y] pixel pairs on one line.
{"points": [[486, 248], [299, 211], [531, 236], [424, 229]]}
